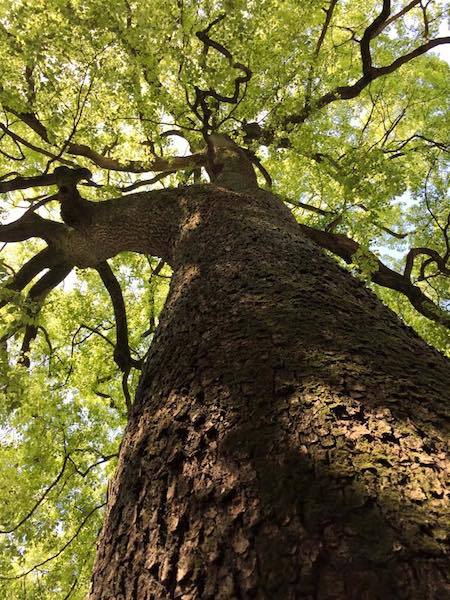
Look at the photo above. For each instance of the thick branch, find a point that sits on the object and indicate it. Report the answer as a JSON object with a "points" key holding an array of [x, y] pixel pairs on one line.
{"points": [[383, 24], [48, 282], [145, 222], [105, 162], [122, 354], [433, 257], [345, 248], [347, 92], [36, 296], [44, 259], [369, 34], [29, 226], [60, 176], [157, 164]]}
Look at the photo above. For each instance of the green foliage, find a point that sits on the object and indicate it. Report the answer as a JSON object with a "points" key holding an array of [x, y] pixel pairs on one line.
{"points": [[365, 263], [114, 74], [70, 412]]}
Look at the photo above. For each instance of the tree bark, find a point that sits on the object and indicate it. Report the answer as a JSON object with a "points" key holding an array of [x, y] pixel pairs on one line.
{"points": [[288, 435]]}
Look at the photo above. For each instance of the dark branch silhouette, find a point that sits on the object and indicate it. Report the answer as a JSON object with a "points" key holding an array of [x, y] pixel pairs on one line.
{"points": [[44, 259], [122, 353], [369, 74], [61, 550], [346, 248], [41, 499], [36, 297]]}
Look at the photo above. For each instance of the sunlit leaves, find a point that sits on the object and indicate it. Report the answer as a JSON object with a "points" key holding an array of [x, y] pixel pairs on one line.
{"points": [[72, 406]]}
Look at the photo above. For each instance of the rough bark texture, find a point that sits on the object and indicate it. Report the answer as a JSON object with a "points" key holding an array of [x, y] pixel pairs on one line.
{"points": [[288, 436]]}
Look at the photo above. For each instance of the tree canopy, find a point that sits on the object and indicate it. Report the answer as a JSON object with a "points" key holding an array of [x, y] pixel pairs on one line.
{"points": [[340, 105]]}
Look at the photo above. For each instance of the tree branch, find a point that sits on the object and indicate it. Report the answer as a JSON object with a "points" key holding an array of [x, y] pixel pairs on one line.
{"points": [[175, 163], [369, 34], [379, 71], [36, 297], [32, 121], [326, 24], [46, 492], [96, 231], [61, 550], [210, 43], [122, 354], [142, 182], [31, 225], [328, 16], [200, 106], [60, 176], [43, 259], [434, 257], [100, 160], [347, 92], [20, 140], [346, 247], [395, 17]]}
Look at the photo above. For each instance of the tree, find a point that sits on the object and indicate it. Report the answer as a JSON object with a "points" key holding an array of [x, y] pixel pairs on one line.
{"points": [[288, 435]]}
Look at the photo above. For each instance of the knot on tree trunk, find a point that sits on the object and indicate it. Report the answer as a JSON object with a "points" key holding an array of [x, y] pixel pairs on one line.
{"points": [[230, 166], [74, 208]]}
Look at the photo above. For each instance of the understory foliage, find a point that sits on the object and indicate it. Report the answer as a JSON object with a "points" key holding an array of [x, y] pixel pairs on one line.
{"points": [[342, 117]]}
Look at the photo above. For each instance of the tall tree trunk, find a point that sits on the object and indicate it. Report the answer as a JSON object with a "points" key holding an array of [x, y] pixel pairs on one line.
{"points": [[287, 439]]}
